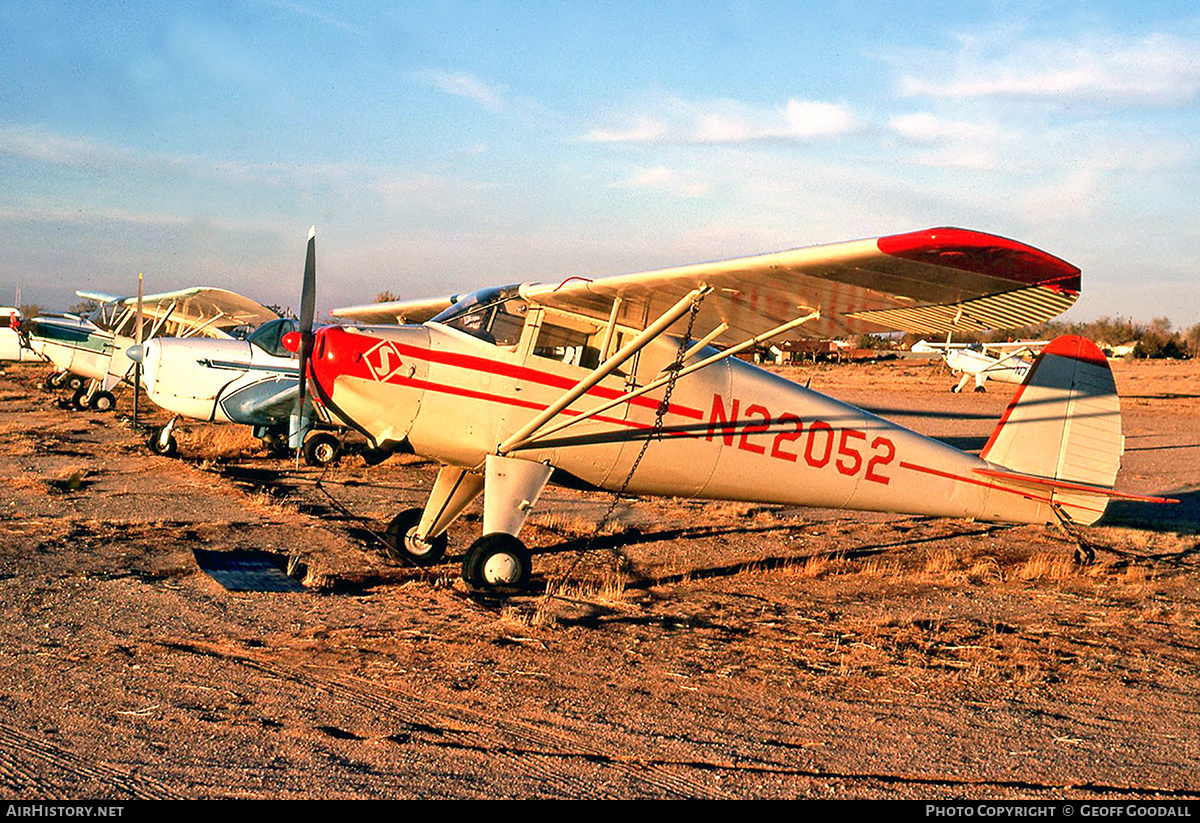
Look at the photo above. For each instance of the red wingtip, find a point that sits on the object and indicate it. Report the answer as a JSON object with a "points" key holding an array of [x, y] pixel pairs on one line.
{"points": [[983, 253]]}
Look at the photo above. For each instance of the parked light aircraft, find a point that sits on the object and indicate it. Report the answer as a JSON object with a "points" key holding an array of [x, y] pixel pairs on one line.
{"points": [[1005, 362], [253, 382], [618, 382], [12, 346], [94, 348]]}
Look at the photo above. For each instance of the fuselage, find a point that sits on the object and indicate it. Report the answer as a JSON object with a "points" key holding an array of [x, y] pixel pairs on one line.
{"points": [[731, 431], [252, 381]]}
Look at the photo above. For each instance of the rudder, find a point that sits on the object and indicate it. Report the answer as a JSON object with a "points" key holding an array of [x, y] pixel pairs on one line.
{"points": [[1064, 424]]}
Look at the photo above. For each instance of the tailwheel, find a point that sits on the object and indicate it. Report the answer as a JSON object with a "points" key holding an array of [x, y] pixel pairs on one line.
{"points": [[102, 401], [404, 544], [321, 449], [169, 448], [498, 565]]}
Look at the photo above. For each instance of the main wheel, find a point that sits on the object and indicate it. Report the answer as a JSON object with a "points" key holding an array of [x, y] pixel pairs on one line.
{"points": [[171, 449], [73, 382], [55, 380], [321, 449], [497, 564], [79, 401], [954, 388], [980, 388], [102, 401], [404, 544]]}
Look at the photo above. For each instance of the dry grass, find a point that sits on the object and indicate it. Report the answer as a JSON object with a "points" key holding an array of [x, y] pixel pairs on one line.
{"points": [[214, 442]]}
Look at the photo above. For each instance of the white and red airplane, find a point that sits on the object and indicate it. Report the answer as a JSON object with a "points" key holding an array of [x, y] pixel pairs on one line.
{"points": [[619, 383], [980, 362]]}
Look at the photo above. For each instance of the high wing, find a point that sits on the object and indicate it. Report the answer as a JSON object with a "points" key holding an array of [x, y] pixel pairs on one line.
{"points": [[396, 311], [930, 281], [194, 310]]}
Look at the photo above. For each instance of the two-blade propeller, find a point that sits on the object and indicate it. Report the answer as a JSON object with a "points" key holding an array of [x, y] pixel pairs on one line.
{"points": [[301, 418]]}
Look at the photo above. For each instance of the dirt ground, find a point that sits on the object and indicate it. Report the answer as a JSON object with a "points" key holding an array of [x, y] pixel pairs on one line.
{"points": [[707, 650]]}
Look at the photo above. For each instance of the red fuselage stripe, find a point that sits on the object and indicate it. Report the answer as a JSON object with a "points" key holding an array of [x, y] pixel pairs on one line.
{"points": [[987, 485], [489, 366]]}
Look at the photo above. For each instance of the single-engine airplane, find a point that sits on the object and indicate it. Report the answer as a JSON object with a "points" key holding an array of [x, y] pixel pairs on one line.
{"points": [[253, 382], [618, 382], [1004, 362], [94, 348]]}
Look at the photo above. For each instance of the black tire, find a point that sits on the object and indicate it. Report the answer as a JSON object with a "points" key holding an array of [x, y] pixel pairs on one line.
{"points": [[403, 545], [78, 399], [55, 380], [73, 382], [102, 401], [980, 388], [954, 388], [321, 449], [169, 450], [497, 565]]}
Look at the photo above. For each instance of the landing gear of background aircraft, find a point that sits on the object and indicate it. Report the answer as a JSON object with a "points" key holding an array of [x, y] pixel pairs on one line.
{"points": [[102, 401], [166, 445], [404, 544], [276, 444], [79, 400], [74, 382], [497, 564], [321, 449], [980, 388]]}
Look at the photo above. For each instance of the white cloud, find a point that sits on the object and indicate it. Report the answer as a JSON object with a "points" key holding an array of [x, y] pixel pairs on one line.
{"points": [[43, 146], [1154, 70], [666, 180], [463, 84], [642, 130], [728, 122]]}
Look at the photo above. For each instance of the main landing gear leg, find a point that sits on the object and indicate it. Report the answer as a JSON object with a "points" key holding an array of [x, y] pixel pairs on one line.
{"points": [[419, 536], [498, 563]]}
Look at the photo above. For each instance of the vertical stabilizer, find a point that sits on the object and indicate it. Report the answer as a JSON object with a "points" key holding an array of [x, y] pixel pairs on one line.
{"points": [[1064, 424]]}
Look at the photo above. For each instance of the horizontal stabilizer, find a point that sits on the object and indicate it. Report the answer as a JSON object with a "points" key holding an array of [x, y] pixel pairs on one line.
{"points": [[1086, 488]]}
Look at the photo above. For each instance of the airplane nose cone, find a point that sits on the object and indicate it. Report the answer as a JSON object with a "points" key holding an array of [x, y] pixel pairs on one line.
{"points": [[134, 353]]}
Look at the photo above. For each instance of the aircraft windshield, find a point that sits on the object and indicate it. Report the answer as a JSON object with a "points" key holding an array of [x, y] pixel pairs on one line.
{"points": [[494, 315], [269, 336]]}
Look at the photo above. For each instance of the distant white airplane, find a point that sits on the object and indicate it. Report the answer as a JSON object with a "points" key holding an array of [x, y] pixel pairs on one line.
{"points": [[1005, 362], [93, 348]]}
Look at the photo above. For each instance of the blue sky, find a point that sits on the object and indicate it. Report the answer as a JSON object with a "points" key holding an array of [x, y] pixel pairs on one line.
{"points": [[444, 146]]}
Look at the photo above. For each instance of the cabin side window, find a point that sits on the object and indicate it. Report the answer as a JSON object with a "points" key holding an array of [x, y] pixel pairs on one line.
{"points": [[269, 336], [573, 346]]}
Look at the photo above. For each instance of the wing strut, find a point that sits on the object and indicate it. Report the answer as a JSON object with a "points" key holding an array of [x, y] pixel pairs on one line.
{"points": [[192, 332], [514, 443], [651, 332]]}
